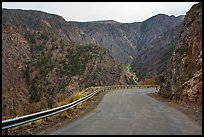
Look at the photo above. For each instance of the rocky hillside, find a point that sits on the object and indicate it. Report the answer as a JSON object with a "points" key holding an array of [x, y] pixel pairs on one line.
{"points": [[129, 43], [137, 43], [157, 43], [39, 65], [183, 78]]}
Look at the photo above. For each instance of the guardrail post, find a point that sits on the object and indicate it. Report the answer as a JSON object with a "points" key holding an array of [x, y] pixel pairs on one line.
{"points": [[46, 119]]}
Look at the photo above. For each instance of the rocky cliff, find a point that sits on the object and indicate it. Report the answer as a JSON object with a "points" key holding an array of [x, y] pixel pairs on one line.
{"points": [[156, 44], [183, 78]]}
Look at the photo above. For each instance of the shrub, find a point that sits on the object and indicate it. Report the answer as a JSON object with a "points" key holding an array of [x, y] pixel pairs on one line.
{"points": [[27, 74], [32, 39], [50, 103], [62, 44], [43, 105], [34, 94], [148, 82], [32, 108]]}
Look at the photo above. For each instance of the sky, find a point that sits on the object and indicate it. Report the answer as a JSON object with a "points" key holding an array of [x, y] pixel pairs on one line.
{"points": [[124, 12]]}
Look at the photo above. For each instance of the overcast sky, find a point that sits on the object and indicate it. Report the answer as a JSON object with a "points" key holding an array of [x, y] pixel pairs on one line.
{"points": [[125, 12]]}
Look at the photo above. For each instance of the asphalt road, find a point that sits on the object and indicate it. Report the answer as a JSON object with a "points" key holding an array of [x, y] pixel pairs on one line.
{"points": [[131, 112]]}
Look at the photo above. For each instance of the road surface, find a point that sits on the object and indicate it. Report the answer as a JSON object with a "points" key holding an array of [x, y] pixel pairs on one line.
{"points": [[131, 112]]}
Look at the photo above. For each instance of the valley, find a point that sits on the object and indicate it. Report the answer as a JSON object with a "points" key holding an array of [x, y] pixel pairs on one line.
{"points": [[47, 59]]}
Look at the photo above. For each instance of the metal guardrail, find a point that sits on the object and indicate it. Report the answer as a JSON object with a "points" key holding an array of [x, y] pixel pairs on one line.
{"points": [[6, 124]]}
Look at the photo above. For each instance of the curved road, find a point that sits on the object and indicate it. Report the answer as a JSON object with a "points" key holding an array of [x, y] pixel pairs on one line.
{"points": [[131, 112]]}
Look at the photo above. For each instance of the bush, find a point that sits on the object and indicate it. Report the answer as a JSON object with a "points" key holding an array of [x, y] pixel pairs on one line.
{"points": [[39, 48], [53, 46], [50, 103], [27, 74], [43, 105], [44, 36], [34, 94], [62, 44], [148, 82], [32, 108], [32, 39]]}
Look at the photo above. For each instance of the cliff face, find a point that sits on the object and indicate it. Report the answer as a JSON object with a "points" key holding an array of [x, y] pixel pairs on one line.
{"points": [[156, 44], [183, 78]]}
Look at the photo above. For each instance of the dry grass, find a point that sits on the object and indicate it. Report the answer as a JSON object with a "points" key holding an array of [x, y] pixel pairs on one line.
{"points": [[69, 114]]}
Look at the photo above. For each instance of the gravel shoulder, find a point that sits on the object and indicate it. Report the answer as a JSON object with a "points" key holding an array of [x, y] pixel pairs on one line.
{"points": [[193, 111]]}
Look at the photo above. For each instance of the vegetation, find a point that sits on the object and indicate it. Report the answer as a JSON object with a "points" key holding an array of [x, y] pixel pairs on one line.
{"points": [[35, 94], [27, 74], [132, 76], [30, 37], [50, 103], [54, 60], [147, 81], [69, 114], [44, 35]]}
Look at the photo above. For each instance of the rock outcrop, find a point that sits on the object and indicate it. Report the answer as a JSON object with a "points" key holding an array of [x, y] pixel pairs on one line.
{"points": [[183, 78]]}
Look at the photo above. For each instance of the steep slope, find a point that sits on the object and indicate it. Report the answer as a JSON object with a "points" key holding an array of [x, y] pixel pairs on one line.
{"points": [[14, 87], [183, 78], [109, 36], [129, 43], [39, 65], [126, 41], [158, 37], [138, 43]]}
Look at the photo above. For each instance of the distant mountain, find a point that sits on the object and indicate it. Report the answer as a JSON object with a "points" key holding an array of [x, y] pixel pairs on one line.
{"points": [[137, 43], [105, 22], [128, 43]]}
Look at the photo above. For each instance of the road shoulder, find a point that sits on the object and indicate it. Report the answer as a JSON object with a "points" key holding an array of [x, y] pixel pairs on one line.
{"points": [[193, 111]]}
